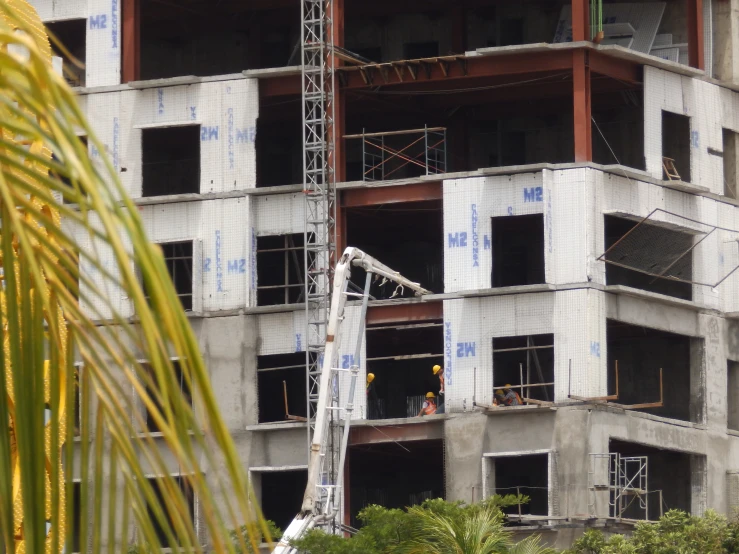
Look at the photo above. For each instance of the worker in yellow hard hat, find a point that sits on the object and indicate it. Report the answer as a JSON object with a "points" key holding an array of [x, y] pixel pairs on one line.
{"points": [[439, 371], [429, 406], [507, 397], [373, 402]]}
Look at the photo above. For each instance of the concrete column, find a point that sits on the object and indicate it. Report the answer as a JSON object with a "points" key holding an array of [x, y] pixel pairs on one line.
{"points": [[463, 447], [725, 37]]}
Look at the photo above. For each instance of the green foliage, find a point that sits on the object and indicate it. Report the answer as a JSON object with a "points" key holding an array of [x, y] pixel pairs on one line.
{"points": [[259, 533], [675, 533], [436, 526]]}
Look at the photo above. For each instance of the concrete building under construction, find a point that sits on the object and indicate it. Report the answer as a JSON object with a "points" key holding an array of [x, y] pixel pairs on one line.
{"points": [[561, 174]]}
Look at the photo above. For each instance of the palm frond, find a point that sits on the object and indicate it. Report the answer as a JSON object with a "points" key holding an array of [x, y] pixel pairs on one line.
{"points": [[75, 316]]}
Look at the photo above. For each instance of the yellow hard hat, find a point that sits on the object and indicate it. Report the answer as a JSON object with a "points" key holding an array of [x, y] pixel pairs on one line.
{"points": [[499, 391], [370, 378], [507, 387], [437, 369], [430, 395]]}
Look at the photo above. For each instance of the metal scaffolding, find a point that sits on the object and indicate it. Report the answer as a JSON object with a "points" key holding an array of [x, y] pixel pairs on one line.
{"points": [[319, 188], [624, 482]]}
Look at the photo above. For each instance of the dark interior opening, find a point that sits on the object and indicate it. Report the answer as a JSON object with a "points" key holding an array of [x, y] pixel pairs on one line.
{"points": [[731, 144], [395, 475], [676, 143], [407, 236], [402, 357], [732, 394], [646, 245], [528, 357], [518, 250], [191, 39], [280, 269], [640, 353], [527, 475], [282, 495], [171, 160], [178, 257], [72, 33], [668, 471], [278, 374], [279, 143], [416, 50], [618, 128], [77, 539], [151, 424], [158, 484]]}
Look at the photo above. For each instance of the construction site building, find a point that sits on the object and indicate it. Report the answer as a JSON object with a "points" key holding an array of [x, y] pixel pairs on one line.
{"points": [[560, 173]]}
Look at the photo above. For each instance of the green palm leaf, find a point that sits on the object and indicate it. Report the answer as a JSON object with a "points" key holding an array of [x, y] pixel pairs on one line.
{"points": [[74, 256]]}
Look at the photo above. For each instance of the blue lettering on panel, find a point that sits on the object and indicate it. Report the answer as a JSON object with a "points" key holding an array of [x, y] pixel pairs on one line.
{"points": [[298, 342], [114, 23], [347, 361], [487, 242], [475, 240], [253, 259], [595, 349], [99, 21], [695, 139], [116, 132], [160, 101], [219, 264], [231, 156], [448, 353], [193, 113], [533, 194], [466, 349], [457, 240], [208, 133], [206, 265], [246, 136]]}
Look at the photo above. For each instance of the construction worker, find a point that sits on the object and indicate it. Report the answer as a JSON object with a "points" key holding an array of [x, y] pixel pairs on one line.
{"points": [[439, 371], [511, 397], [429, 406], [373, 402]]}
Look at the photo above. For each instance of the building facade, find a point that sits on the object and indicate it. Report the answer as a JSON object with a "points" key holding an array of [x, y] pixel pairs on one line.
{"points": [[567, 193]]}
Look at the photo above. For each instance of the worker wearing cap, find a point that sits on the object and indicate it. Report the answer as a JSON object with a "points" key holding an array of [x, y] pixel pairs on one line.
{"points": [[429, 406], [372, 400], [439, 371], [507, 397]]}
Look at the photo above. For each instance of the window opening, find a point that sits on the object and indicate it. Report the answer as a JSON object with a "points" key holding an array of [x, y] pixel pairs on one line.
{"points": [[676, 139], [733, 395], [518, 250], [418, 50], [282, 494], [76, 540], [527, 475], [72, 33], [526, 363], [151, 425], [642, 245], [280, 269], [157, 483], [402, 359], [281, 387], [731, 144], [171, 160], [395, 475]]}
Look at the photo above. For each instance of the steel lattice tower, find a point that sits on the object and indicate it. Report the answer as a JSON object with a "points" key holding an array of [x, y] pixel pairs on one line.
{"points": [[319, 184]]}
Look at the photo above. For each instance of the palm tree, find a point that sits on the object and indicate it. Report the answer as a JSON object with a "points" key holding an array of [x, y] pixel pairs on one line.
{"points": [[478, 530], [84, 298]]}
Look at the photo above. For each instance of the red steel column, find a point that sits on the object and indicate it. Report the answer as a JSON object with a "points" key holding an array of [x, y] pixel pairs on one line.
{"points": [[695, 34], [580, 20], [339, 99], [131, 62], [582, 108]]}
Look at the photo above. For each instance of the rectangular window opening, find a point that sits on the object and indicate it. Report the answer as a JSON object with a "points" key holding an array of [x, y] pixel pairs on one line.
{"points": [[282, 494], [518, 250], [676, 143], [647, 244], [419, 50], [640, 353], [280, 269], [158, 484], [171, 160], [151, 425], [76, 540], [394, 477], [670, 476], [731, 144], [72, 33], [527, 364], [281, 387], [402, 358], [178, 256], [526, 474], [733, 395]]}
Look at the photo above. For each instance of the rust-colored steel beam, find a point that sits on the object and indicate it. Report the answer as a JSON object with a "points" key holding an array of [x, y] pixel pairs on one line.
{"points": [[582, 106], [619, 69], [287, 85], [450, 68], [421, 431], [402, 313], [131, 51], [391, 195], [580, 20], [695, 34]]}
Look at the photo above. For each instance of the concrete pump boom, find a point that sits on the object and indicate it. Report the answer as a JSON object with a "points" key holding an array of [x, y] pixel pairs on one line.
{"points": [[324, 486]]}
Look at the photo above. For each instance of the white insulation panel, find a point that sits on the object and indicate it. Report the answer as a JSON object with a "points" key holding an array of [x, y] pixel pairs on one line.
{"points": [[281, 333], [279, 214], [57, 10]]}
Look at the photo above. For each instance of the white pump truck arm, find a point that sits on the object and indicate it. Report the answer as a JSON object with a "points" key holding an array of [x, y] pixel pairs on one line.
{"points": [[309, 516]]}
